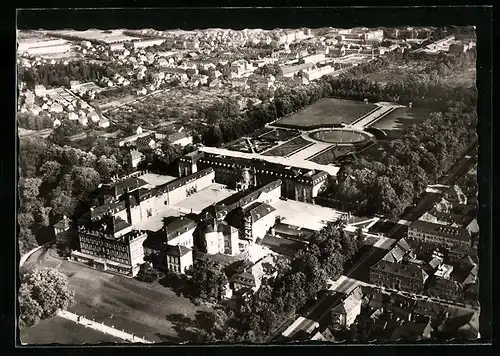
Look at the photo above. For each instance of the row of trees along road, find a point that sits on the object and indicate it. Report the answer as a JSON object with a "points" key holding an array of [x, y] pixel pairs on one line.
{"points": [[297, 282], [425, 88]]}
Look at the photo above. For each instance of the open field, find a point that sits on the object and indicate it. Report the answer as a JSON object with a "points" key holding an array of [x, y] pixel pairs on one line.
{"points": [[62, 331], [148, 310], [289, 147], [327, 112], [396, 122]]}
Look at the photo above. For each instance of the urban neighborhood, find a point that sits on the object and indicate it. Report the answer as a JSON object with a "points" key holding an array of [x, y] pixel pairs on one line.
{"points": [[227, 186]]}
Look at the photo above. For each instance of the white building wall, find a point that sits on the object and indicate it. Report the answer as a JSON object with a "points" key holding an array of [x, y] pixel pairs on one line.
{"points": [[135, 214], [184, 141], [261, 227], [353, 314], [180, 193], [136, 250], [185, 239], [186, 261]]}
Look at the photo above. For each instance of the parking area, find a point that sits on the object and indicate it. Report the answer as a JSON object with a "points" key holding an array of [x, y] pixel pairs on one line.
{"points": [[205, 197], [304, 215]]}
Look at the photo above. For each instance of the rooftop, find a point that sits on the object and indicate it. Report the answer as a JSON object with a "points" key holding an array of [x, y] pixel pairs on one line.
{"points": [[179, 226], [456, 233], [404, 270], [177, 251]]}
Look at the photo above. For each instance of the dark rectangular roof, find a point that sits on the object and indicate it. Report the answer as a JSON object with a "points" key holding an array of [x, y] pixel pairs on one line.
{"points": [[179, 226], [177, 251], [399, 269], [445, 231], [120, 187], [260, 211]]}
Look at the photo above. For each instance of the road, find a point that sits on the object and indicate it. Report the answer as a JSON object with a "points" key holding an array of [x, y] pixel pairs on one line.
{"points": [[315, 315]]}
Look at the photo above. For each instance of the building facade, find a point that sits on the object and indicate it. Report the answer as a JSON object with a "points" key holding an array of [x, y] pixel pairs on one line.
{"points": [[438, 234], [179, 258], [398, 276]]}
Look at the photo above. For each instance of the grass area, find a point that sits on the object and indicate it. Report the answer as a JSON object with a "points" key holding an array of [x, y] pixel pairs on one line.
{"points": [[396, 122], [151, 311], [279, 135], [327, 112], [62, 331], [289, 147], [330, 156], [339, 136]]}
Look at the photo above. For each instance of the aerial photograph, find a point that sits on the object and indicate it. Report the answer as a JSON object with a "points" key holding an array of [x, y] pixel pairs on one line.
{"points": [[311, 185]]}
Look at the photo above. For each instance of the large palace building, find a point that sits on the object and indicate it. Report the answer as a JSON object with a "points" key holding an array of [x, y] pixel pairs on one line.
{"points": [[299, 182]]}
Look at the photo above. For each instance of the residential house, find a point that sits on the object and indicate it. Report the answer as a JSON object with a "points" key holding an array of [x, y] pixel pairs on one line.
{"points": [[56, 123], [446, 236], [446, 289], [345, 313], [180, 232], [179, 258], [135, 157], [413, 331], [408, 277], [40, 90], [56, 108], [248, 277], [62, 231]]}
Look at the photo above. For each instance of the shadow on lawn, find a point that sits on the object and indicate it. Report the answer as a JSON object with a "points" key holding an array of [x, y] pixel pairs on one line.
{"points": [[190, 330], [180, 286]]}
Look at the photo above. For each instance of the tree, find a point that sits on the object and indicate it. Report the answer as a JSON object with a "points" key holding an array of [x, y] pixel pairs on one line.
{"points": [[209, 279], [26, 240], [42, 293], [50, 171], [30, 189]]}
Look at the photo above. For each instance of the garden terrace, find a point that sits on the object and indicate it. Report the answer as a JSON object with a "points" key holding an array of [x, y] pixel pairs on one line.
{"points": [[290, 147]]}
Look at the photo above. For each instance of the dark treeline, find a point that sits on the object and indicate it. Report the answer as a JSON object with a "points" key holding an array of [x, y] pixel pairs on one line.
{"points": [[58, 181], [59, 74], [227, 123], [389, 183]]}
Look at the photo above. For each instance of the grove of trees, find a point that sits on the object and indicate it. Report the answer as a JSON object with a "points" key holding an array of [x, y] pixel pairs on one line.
{"points": [[297, 282], [42, 293], [57, 181], [59, 74]]}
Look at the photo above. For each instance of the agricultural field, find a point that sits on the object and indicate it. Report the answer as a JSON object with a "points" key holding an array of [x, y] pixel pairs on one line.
{"points": [[326, 112], [289, 147], [395, 123]]}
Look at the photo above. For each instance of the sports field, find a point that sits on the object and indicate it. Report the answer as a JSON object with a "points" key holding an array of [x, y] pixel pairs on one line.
{"points": [[396, 122], [327, 112]]}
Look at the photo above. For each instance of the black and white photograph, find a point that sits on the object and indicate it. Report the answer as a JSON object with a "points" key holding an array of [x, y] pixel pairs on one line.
{"points": [[277, 185]]}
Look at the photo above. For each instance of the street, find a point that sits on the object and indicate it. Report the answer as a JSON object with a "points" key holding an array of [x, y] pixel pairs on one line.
{"points": [[316, 315]]}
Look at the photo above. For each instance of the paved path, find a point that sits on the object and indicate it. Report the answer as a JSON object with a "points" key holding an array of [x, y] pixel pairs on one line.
{"points": [[102, 328]]}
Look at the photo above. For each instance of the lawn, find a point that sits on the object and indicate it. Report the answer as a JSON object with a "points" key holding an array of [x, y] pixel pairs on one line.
{"points": [[61, 331], [330, 156], [279, 135], [326, 112], [151, 311], [289, 147], [396, 122]]}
